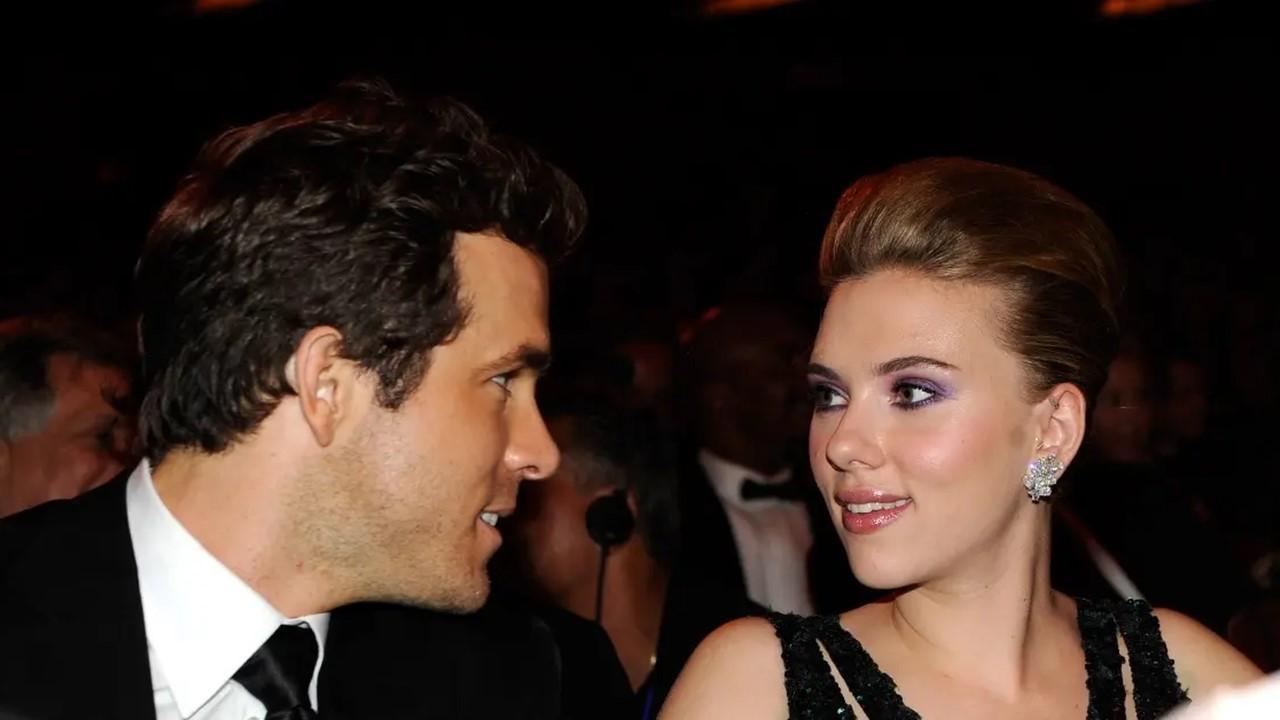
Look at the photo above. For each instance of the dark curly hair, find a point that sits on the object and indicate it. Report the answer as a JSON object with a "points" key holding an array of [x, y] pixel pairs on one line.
{"points": [[342, 214]]}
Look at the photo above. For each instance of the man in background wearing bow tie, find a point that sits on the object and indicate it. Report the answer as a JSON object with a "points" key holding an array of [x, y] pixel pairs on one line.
{"points": [[752, 517]]}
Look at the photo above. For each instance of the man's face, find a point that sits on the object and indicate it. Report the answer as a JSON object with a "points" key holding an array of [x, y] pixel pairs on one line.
{"points": [[762, 374], [85, 442], [410, 503]]}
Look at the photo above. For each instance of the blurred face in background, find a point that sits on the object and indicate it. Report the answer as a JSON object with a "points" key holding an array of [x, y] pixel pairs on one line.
{"points": [[767, 374], [84, 442], [1122, 419], [752, 392], [1187, 407], [652, 365]]}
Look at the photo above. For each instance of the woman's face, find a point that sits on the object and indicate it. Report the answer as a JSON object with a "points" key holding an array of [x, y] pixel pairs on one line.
{"points": [[921, 429]]}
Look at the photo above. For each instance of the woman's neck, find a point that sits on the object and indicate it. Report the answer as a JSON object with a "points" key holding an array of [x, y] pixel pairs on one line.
{"points": [[994, 622]]}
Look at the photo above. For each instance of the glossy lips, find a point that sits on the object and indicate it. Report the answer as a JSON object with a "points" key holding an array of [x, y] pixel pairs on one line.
{"points": [[864, 511]]}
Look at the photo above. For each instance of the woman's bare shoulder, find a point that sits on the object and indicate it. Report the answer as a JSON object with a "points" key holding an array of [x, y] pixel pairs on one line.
{"points": [[736, 672], [1202, 660]]}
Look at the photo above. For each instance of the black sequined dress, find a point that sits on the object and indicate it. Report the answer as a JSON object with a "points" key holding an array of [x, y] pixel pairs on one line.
{"points": [[812, 692]]}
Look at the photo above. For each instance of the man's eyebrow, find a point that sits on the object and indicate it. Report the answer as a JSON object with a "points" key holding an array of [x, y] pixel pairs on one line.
{"points": [[527, 355]]}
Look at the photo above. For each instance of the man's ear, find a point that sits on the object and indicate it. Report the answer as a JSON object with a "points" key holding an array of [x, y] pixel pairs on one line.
{"points": [[324, 382]]}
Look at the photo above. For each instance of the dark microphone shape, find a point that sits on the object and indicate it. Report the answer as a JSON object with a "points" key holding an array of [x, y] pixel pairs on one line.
{"points": [[609, 523]]}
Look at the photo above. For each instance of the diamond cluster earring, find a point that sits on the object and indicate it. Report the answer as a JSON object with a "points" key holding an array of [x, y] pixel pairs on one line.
{"points": [[1042, 475]]}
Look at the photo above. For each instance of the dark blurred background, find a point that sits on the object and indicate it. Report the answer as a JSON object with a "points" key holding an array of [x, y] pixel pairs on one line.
{"points": [[712, 139], [711, 144]]}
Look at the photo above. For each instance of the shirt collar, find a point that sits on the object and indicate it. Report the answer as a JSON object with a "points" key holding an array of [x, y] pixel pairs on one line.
{"points": [[203, 621], [726, 476]]}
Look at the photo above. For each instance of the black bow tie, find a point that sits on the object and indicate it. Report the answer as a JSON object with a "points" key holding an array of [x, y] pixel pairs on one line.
{"points": [[790, 490]]}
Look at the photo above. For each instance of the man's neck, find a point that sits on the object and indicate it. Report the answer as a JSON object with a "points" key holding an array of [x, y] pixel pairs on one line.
{"points": [[230, 503]]}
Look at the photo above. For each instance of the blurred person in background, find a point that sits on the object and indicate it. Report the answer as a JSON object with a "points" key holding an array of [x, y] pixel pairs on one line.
{"points": [[1185, 410], [1126, 525], [753, 518], [66, 421], [614, 500], [1124, 416]]}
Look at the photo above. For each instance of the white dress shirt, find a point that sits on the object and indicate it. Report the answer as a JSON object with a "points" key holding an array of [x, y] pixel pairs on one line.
{"points": [[773, 536], [202, 621]]}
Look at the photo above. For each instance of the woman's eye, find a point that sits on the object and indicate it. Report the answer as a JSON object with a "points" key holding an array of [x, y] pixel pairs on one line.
{"points": [[825, 397], [910, 396]]}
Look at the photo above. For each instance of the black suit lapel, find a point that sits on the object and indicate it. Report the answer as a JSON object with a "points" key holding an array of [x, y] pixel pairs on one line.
{"points": [[393, 663], [707, 545], [71, 613]]}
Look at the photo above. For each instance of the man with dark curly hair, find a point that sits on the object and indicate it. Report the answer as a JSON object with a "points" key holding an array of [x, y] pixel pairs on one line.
{"points": [[343, 317]]}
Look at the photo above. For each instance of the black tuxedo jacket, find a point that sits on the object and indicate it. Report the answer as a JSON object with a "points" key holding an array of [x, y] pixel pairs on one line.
{"points": [[73, 642], [708, 550]]}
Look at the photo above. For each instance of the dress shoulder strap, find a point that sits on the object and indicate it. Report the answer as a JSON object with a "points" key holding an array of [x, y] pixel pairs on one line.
{"points": [[1156, 689], [1102, 661], [875, 692], [812, 692]]}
